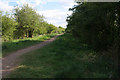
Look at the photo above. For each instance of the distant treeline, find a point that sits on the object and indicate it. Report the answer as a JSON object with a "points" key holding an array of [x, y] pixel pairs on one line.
{"points": [[25, 22]]}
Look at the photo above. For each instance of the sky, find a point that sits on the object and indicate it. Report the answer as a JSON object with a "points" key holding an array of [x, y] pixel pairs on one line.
{"points": [[54, 11]]}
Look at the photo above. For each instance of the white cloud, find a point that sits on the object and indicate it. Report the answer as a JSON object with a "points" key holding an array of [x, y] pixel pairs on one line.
{"points": [[53, 13], [21, 2], [32, 3], [69, 5], [4, 6], [56, 17], [39, 2]]}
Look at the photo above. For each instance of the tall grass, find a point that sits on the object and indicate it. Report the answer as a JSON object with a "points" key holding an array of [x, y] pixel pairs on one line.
{"points": [[66, 57]]}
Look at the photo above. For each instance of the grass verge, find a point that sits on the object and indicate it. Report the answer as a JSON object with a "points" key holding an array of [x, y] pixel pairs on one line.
{"points": [[14, 45], [64, 58]]}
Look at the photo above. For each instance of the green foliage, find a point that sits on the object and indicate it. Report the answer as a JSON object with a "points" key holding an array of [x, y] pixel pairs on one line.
{"points": [[94, 23], [28, 20], [60, 29], [8, 27], [42, 29], [51, 28]]}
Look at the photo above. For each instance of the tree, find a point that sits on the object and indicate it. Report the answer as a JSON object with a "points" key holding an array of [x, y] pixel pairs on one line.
{"points": [[51, 28], [94, 24], [8, 27], [28, 20]]}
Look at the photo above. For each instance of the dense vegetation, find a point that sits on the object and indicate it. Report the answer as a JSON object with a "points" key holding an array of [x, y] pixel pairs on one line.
{"points": [[66, 57], [25, 22], [98, 26]]}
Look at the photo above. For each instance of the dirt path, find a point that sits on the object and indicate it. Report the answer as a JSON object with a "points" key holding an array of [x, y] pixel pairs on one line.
{"points": [[10, 62]]}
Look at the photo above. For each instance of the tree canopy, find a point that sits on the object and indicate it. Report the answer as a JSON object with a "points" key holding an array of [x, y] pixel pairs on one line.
{"points": [[95, 24]]}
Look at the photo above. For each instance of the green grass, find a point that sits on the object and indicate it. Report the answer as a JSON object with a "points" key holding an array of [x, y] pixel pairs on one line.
{"points": [[11, 46], [66, 57]]}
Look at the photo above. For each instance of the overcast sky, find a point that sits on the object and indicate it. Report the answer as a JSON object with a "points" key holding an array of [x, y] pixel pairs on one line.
{"points": [[55, 11]]}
